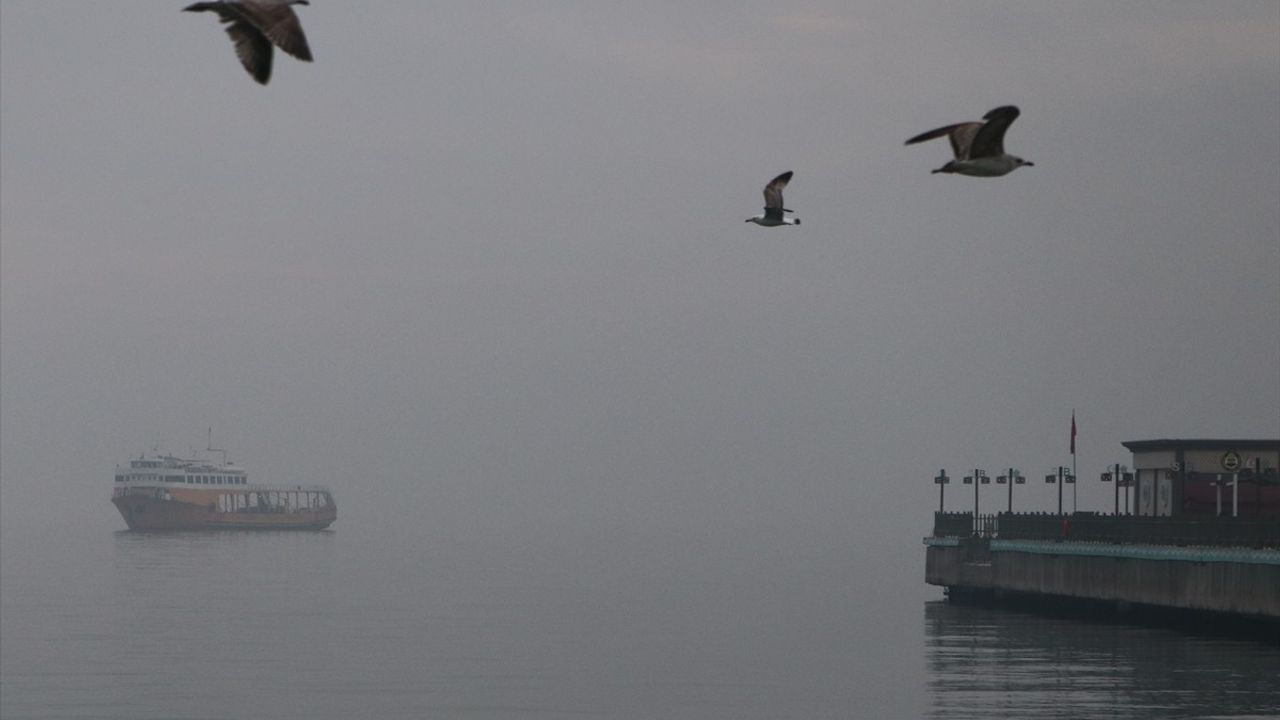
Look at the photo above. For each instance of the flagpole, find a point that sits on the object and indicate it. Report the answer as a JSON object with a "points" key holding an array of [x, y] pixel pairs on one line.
{"points": [[1073, 461]]}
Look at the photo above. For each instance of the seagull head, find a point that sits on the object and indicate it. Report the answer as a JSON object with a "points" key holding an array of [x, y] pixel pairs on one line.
{"points": [[1019, 162]]}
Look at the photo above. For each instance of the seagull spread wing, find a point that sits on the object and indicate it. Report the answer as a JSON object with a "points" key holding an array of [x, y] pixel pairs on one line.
{"points": [[961, 136], [280, 24], [252, 48], [773, 192], [989, 142]]}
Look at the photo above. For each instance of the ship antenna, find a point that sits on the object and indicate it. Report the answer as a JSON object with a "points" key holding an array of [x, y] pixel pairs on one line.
{"points": [[211, 448]]}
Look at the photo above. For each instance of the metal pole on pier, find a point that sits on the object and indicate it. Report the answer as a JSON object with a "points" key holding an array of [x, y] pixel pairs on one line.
{"points": [[979, 477], [942, 481], [1062, 477], [975, 502], [1118, 474], [1060, 470], [1073, 461], [1013, 476], [1116, 478]]}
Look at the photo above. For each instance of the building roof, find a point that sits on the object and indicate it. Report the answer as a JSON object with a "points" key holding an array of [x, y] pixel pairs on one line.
{"points": [[1139, 446]]}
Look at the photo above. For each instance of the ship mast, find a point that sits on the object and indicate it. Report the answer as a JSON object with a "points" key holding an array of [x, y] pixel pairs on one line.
{"points": [[211, 448]]}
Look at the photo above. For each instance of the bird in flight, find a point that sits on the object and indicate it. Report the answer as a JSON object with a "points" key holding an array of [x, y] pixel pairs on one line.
{"points": [[773, 209], [254, 25], [979, 146]]}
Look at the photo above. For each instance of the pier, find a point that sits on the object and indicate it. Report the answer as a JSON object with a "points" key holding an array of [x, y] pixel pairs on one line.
{"points": [[1183, 549], [1234, 568]]}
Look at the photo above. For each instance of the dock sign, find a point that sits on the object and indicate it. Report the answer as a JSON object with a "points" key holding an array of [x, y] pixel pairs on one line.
{"points": [[1231, 461]]}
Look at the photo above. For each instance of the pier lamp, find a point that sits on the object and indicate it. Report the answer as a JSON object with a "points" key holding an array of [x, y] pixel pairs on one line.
{"points": [[1062, 476], [979, 477], [941, 481], [1014, 477], [1120, 475]]}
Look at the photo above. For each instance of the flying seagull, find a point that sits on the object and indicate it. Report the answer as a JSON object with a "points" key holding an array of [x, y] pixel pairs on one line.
{"points": [[254, 25], [979, 146], [773, 210]]}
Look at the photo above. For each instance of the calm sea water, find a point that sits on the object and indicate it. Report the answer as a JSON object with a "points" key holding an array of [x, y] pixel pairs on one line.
{"points": [[366, 622], [991, 663]]}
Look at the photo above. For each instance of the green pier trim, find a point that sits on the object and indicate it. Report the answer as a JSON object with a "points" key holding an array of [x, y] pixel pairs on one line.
{"points": [[1137, 552], [1130, 551]]}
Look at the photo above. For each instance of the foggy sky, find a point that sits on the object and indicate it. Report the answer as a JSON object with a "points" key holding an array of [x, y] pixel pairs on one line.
{"points": [[486, 262]]}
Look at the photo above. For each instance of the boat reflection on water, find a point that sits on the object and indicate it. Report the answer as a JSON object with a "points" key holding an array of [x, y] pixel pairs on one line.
{"points": [[996, 663]]}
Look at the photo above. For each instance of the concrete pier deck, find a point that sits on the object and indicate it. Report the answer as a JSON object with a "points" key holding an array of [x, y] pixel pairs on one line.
{"points": [[1236, 580]]}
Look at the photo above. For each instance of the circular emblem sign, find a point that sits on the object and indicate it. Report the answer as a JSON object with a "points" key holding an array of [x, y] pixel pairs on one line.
{"points": [[1231, 461]]}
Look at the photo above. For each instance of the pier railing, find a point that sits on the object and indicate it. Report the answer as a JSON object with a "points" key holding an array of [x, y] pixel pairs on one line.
{"points": [[1093, 527], [955, 524]]}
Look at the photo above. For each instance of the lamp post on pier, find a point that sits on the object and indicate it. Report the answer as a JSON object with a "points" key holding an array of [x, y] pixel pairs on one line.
{"points": [[1121, 476], [941, 480], [979, 477], [1062, 476], [1013, 478]]}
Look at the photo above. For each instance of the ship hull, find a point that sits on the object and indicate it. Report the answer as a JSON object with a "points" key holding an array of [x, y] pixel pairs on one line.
{"points": [[150, 514]]}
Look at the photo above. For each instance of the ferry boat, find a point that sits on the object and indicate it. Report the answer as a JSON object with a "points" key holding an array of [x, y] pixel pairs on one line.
{"points": [[162, 492]]}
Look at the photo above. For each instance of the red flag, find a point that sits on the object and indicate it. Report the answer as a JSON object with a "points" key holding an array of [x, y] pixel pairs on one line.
{"points": [[1073, 432]]}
